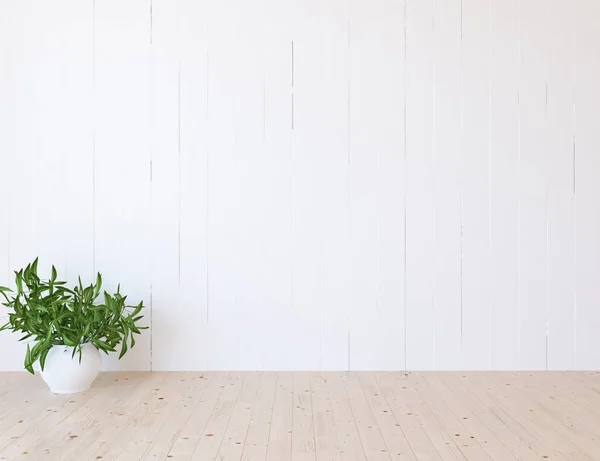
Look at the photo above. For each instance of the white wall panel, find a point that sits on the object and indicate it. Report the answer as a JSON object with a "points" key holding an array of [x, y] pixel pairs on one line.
{"points": [[75, 113], [504, 193], [334, 93], [299, 184], [279, 174], [224, 321], [476, 185], [249, 121], [560, 201], [587, 186], [52, 127], [375, 153], [390, 139], [193, 178], [309, 183], [533, 173], [447, 153], [420, 330]]}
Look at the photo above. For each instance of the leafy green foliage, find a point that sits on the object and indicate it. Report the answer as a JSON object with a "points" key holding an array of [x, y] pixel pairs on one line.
{"points": [[54, 315]]}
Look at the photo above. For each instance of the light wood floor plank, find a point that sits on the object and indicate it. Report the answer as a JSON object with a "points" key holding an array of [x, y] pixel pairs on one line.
{"points": [[487, 416], [305, 416], [31, 411], [280, 435], [211, 440], [427, 414], [530, 416], [15, 388], [391, 431], [350, 445], [370, 434], [235, 435], [547, 411], [411, 418], [113, 424], [195, 427], [584, 393], [164, 440], [30, 430], [480, 433], [303, 431], [130, 440], [447, 434], [513, 416], [256, 445], [326, 439], [557, 397], [64, 437], [170, 403]]}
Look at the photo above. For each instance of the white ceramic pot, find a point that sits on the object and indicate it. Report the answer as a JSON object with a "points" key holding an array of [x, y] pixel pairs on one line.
{"points": [[65, 375]]}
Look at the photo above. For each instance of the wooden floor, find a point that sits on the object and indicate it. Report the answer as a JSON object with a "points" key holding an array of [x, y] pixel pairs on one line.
{"points": [[305, 416]]}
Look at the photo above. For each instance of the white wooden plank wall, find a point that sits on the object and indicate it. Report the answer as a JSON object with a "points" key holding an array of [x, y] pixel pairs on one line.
{"points": [[299, 184], [447, 154], [586, 184], [419, 186], [504, 193], [475, 176]]}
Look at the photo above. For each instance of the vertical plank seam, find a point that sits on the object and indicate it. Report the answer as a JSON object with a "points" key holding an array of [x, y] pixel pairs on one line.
{"points": [[548, 186], [405, 194], [574, 164], [179, 171], [320, 219], [151, 106], [93, 136], [207, 186], [292, 61], [490, 185], [378, 235], [293, 166], [264, 165], [519, 185], [348, 175], [433, 182], [462, 191]]}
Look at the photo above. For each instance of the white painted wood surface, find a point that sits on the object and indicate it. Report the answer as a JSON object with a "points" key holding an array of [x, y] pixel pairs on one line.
{"points": [[587, 187], [419, 200], [475, 168], [298, 184], [504, 193]]}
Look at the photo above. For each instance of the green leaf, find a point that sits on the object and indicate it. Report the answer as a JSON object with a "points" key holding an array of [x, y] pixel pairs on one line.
{"points": [[123, 349], [34, 266], [104, 347], [43, 356], [98, 285], [28, 362], [19, 281], [69, 341]]}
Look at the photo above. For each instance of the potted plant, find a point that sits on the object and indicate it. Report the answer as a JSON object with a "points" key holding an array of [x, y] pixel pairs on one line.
{"points": [[68, 328]]}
